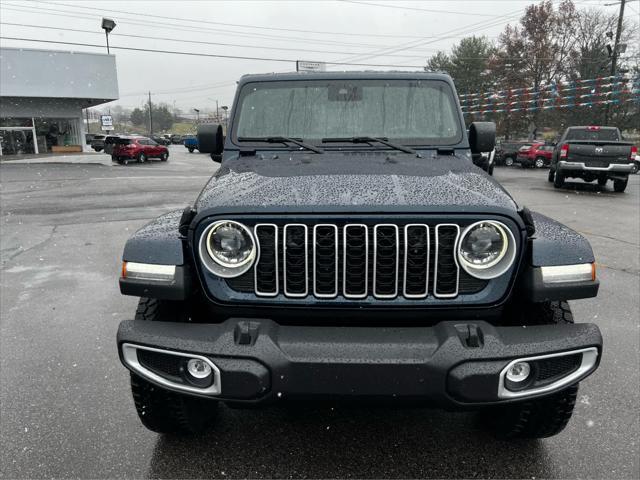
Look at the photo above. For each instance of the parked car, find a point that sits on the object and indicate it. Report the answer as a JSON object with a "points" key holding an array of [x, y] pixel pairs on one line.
{"points": [[161, 140], [190, 142], [139, 149], [506, 152], [97, 142], [176, 139], [109, 143], [378, 264], [535, 155], [593, 153]]}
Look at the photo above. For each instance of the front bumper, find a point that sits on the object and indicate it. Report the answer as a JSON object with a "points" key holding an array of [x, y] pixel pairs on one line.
{"points": [[582, 167], [452, 365]]}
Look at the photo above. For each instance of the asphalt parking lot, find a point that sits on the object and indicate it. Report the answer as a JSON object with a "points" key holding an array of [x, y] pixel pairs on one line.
{"points": [[65, 405]]}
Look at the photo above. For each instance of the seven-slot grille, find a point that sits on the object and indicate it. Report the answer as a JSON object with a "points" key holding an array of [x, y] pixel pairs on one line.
{"points": [[355, 261]]}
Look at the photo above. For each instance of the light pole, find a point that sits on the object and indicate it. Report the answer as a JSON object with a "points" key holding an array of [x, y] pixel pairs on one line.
{"points": [[197, 115], [107, 26]]}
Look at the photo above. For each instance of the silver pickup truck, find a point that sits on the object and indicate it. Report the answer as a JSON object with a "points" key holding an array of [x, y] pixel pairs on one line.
{"points": [[593, 153]]}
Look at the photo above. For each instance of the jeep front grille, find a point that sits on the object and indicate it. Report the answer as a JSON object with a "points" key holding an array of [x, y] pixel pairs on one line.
{"points": [[355, 261]]}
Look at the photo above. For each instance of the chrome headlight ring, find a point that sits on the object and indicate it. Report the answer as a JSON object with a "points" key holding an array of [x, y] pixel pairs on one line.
{"points": [[497, 266], [219, 266]]}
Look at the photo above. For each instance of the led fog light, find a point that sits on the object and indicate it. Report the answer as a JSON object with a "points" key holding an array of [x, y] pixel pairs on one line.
{"points": [[198, 368], [518, 372]]}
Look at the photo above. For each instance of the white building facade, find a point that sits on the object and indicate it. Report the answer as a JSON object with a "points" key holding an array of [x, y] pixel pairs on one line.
{"points": [[43, 94]]}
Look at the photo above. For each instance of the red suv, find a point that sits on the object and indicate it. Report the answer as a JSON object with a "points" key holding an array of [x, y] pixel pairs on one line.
{"points": [[137, 148], [535, 155]]}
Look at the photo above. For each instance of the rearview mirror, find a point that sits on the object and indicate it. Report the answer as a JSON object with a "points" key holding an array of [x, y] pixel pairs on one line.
{"points": [[210, 138], [482, 136]]}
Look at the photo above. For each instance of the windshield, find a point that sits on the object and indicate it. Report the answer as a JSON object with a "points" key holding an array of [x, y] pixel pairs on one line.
{"points": [[407, 111], [592, 134]]}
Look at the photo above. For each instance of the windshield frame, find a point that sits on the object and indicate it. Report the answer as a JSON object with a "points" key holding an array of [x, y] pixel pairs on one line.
{"points": [[244, 89]]}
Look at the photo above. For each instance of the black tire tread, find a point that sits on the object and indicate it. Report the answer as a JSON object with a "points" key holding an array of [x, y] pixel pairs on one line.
{"points": [[546, 416], [620, 185], [162, 410]]}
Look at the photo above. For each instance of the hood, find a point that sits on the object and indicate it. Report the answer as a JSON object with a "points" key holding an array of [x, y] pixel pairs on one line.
{"points": [[352, 181]]}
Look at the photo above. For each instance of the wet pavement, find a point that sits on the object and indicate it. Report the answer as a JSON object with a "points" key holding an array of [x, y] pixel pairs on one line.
{"points": [[65, 405]]}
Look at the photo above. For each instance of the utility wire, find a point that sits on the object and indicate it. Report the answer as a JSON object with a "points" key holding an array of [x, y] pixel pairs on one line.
{"points": [[411, 45], [430, 10], [182, 27], [486, 57], [192, 28], [240, 25], [181, 40], [194, 54]]}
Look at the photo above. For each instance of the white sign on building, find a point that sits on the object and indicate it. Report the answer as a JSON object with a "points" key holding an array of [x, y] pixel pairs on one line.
{"points": [[304, 66], [107, 122]]}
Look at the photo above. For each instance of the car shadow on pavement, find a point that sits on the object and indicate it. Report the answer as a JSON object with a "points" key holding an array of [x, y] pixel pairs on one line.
{"points": [[325, 442]]}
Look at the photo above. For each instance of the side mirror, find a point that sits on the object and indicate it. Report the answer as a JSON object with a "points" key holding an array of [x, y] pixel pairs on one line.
{"points": [[482, 136], [210, 138]]}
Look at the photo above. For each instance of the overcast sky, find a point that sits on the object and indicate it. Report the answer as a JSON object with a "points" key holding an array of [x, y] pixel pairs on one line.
{"points": [[400, 33]]}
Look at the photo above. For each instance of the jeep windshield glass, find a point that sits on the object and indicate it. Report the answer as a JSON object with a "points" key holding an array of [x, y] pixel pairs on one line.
{"points": [[405, 112]]}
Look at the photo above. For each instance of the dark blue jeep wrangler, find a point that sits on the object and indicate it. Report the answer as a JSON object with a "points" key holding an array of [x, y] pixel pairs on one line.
{"points": [[348, 249]]}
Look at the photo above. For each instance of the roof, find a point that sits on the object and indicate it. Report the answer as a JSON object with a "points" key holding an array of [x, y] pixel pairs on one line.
{"points": [[33, 73], [354, 75]]}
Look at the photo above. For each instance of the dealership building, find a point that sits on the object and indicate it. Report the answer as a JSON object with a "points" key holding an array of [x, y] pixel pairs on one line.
{"points": [[43, 94]]}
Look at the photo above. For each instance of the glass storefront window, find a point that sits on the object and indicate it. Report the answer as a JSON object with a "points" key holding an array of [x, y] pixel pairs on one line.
{"points": [[16, 122]]}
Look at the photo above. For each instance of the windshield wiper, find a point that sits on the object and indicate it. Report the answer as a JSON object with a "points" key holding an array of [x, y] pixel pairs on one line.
{"points": [[382, 140], [285, 140]]}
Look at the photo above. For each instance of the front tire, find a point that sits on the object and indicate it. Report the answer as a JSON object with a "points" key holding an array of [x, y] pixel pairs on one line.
{"points": [[550, 176], [542, 417], [164, 157], [162, 410], [558, 180]]}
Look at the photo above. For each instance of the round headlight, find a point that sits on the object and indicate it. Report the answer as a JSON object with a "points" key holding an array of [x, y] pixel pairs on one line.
{"points": [[229, 249], [486, 249]]}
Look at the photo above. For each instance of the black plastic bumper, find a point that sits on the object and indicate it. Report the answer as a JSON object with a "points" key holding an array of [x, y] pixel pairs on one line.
{"points": [[453, 364]]}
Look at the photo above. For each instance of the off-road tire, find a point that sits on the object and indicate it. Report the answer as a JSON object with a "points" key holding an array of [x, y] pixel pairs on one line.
{"points": [[162, 410], [154, 310], [558, 180], [539, 162], [551, 175], [538, 418], [620, 185]]}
